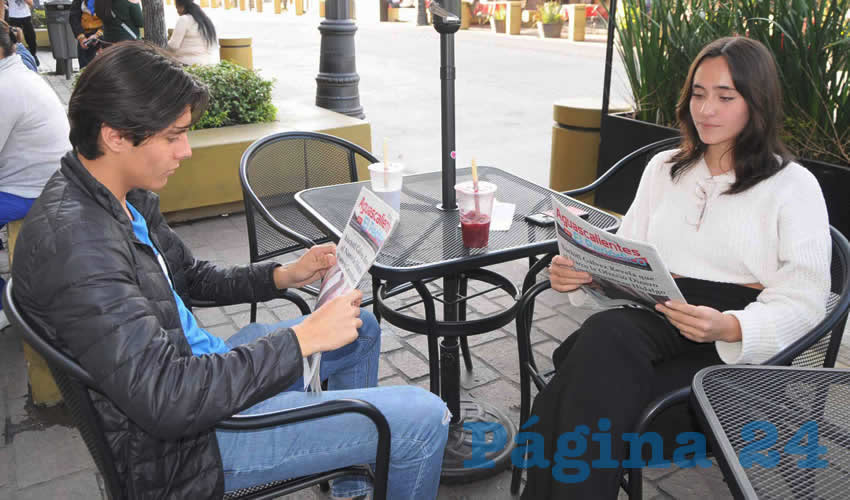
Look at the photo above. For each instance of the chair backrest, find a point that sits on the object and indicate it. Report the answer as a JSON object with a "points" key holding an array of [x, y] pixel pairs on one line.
{"points": [[74, 384], [834, 182], [276, 167], [619, 137], [819, 347]]}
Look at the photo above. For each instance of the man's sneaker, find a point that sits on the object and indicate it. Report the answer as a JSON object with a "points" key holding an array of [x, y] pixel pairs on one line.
{"points": [[4, 322]]}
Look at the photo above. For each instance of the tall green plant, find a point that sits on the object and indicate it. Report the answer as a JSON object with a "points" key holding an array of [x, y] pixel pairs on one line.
{"points": [[809, 39]]}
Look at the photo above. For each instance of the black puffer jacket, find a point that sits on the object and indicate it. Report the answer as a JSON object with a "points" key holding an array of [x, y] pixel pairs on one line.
{"points": [[83, 278]]}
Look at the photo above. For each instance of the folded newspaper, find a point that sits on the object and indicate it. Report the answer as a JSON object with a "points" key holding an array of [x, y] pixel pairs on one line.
{"points": [[369, 225], [625, 272]]}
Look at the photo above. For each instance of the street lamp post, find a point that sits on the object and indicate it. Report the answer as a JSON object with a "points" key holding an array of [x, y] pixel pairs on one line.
{"points": [[337, 81], [421, 14]]}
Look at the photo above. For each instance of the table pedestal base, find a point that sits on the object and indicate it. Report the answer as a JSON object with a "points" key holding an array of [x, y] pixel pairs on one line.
{"points": [[482, 436]]}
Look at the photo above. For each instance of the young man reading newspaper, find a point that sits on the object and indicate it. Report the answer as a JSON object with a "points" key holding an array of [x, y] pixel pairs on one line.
{"points": [[99, 271]]}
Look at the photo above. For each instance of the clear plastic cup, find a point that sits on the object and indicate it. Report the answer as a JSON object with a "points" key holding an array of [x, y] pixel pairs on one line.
{"points": [[475, 212], [387, 183]]}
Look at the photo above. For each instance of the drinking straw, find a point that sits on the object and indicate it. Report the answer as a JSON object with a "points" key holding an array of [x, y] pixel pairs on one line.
{"points": [[475, 187], [386, 166]]}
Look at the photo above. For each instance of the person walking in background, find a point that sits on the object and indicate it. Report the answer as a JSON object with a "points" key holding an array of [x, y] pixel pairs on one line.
{"points": [[20, 15], [121, 19], [193, 40], [33, 135], [87, 28]]}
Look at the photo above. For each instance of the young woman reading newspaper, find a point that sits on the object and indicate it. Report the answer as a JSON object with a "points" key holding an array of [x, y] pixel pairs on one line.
{"points": [[743, 229]]}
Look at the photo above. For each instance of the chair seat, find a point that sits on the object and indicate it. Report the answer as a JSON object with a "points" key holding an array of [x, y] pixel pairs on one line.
{"points": [[271, 242], [275, 489]]}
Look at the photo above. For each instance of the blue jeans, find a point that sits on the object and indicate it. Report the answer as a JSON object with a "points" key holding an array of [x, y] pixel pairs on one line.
{"points": [[12, 208], [418, 423]]}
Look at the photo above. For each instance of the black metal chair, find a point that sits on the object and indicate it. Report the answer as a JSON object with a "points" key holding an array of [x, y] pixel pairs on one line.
{"points": [[276, 167], [75, 383], [818, 348], [822, 353]]}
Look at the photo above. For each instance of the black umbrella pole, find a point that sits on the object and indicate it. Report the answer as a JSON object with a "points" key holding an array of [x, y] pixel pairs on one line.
{"points": [[447, 80]]}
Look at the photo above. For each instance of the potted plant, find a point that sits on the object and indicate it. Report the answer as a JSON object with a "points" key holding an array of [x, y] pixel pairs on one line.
{"points": [[38, 22], [497, 20], [657, 43], [550, 20]]}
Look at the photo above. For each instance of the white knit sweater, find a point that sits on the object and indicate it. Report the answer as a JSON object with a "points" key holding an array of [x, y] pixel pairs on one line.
{"points": [[776, 233]]}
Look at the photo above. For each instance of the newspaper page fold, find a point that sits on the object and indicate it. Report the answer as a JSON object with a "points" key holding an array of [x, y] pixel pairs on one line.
{"points": [[369, 225], [625, 272]]}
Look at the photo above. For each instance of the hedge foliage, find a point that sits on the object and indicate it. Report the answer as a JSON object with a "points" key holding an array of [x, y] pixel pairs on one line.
{"points": [[238, 96]]}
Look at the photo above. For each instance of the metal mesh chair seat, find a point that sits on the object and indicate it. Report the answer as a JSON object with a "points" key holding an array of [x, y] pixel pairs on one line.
{"points": [[270, 241], [276, 489]]}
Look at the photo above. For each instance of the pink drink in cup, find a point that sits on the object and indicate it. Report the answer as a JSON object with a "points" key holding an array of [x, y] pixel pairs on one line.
{"points": [[475, 211]]}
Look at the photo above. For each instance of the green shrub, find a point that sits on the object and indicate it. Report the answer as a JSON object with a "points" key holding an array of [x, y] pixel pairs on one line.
{"points": [[809, 40], [550, 13], [38, 18], [237, 96]]}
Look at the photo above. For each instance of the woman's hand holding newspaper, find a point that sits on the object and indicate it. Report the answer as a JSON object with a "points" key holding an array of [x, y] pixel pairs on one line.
{"points": [[701, 323], [308, 268], [564, 277], [331, 326]]}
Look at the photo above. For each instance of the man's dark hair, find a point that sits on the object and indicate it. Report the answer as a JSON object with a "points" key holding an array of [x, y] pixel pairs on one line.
{"points": [[133, 87]]}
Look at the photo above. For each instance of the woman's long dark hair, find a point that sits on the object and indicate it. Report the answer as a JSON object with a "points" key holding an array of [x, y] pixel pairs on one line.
{"points": [[204, 23], [756, 78]]}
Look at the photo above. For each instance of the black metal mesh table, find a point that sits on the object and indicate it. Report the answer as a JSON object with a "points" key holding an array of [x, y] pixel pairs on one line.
{"points": [[778, 432], [426, 244]]}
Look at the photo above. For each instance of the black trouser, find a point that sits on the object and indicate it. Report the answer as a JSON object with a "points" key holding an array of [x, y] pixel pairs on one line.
{"points": [[25, 23], [612, 367]]}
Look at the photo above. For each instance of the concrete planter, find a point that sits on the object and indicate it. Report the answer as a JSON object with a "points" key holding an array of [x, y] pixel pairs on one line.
{"points": [[465, 15], [207, 184], [42, 39], [552, 30]]}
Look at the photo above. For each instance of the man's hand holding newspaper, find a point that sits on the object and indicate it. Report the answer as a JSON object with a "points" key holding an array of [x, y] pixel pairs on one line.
{"points": [[331, 326], [308, 268]]}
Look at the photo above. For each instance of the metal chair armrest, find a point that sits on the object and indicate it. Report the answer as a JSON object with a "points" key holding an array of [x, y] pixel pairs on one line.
{"points": [[620, 164], [251, 198], [320, 410], [296, 299]]}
